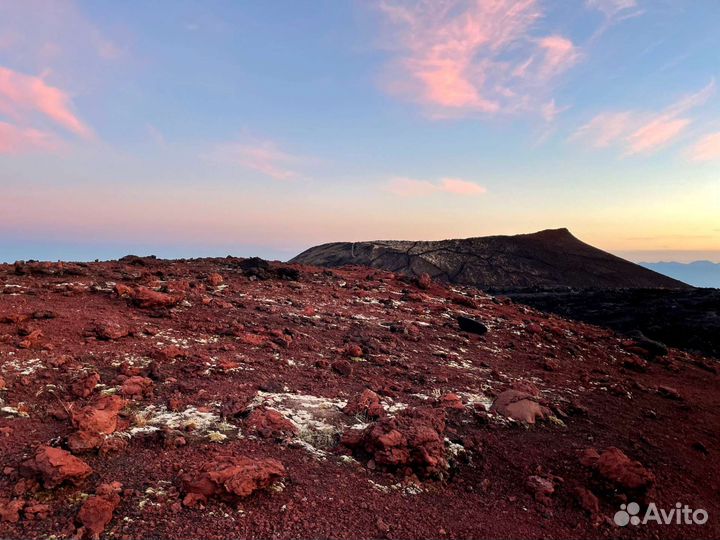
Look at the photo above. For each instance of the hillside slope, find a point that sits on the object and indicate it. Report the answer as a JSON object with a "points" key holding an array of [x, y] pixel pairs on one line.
{"points": [[550, 258], [231, 398]]}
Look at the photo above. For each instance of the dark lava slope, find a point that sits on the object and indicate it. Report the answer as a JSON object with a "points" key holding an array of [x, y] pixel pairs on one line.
{"points": [[550, 258]]}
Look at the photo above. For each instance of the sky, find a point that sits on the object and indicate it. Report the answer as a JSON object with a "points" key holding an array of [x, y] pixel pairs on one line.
{"points": [[196, 128]]}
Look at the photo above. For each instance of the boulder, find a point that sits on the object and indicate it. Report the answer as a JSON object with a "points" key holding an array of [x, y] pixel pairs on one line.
{"points": [[617, 468], [342, 367], [111, 330], [136, 386], [366, 403], [470, 325], [215, 280], [97, 511], [519, 406], [55, 466], [412, 440], [617, 471], [230, 477], [146, 298], [100, 416], [10, 509], [84, 385], [270, 424]]}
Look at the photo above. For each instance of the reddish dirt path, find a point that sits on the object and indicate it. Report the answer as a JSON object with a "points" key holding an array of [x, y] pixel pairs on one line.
{"points": [[209, 349]]}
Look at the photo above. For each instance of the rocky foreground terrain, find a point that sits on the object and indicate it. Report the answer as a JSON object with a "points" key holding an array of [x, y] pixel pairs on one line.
{"points": [[549, 258], [231, 398]]}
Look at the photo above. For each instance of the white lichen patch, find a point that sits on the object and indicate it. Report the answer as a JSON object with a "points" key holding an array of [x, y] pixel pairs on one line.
{"points": [[319, 420], [406, 488], [13, 411], [132, 360], [471, 399], [23, 367], [391, 407], [453, 450], [154, 418]]}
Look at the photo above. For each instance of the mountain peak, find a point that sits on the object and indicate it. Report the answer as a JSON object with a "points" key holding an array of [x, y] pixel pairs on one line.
{"points": [[549, 258]]}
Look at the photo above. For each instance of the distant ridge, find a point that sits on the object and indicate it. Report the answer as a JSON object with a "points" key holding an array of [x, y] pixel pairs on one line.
{"points": [[697, 274], [547, 259]]}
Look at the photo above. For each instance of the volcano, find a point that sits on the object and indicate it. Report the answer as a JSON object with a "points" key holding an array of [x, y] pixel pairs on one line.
{"points": [[547, 259]]}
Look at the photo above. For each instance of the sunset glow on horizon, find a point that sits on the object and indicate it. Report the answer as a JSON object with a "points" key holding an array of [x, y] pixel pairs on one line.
{"points": [[213, 128]]}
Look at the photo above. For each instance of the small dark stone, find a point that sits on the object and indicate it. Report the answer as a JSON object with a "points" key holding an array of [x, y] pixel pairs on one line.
{"points": [[471, 325]]}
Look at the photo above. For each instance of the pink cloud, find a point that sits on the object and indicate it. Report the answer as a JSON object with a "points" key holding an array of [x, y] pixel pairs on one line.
{"points": [[560, 54], [706, 149], [263, 157], [15, 140], [22, 94], [473, 56], [642, 132], [411, 187], [459, 186], [655, 134], [605, 129]]}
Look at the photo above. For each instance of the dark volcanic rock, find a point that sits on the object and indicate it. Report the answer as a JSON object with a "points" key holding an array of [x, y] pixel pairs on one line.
{"points": [[473, 326], [654, 318], [550, 258]]}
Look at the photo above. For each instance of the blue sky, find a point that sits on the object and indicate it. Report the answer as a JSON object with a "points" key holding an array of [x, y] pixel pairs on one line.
{"points": [[203, 128]]}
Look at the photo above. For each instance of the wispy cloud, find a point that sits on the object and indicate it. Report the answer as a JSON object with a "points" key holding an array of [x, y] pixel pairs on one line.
{"points": [[615, 8], [642, 132], [47, 33], [264, 157], [411, 187], [17, 140], [21, 94], [471, 56], [706, 149], [30, 104]]}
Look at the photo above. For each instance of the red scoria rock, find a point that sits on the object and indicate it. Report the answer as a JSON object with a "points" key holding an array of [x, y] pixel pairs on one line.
{"points": [[621, 471], [353, 350], [451, 401], [424, 281], [215, 279], [587, 500], [32, 340], [111, 330], [342, 367], [100, 416], [136, 386], [366, 403], [253, 339], [85, 384], [519, 406], [149, 299], [413, 439], [97, 511], [269, 423], [84, 441], [10, 509], [542, 488], [55, 466], [230, 477]]}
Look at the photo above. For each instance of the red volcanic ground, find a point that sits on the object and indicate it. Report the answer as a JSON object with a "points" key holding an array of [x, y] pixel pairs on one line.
{"points": [[228, 398]]}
